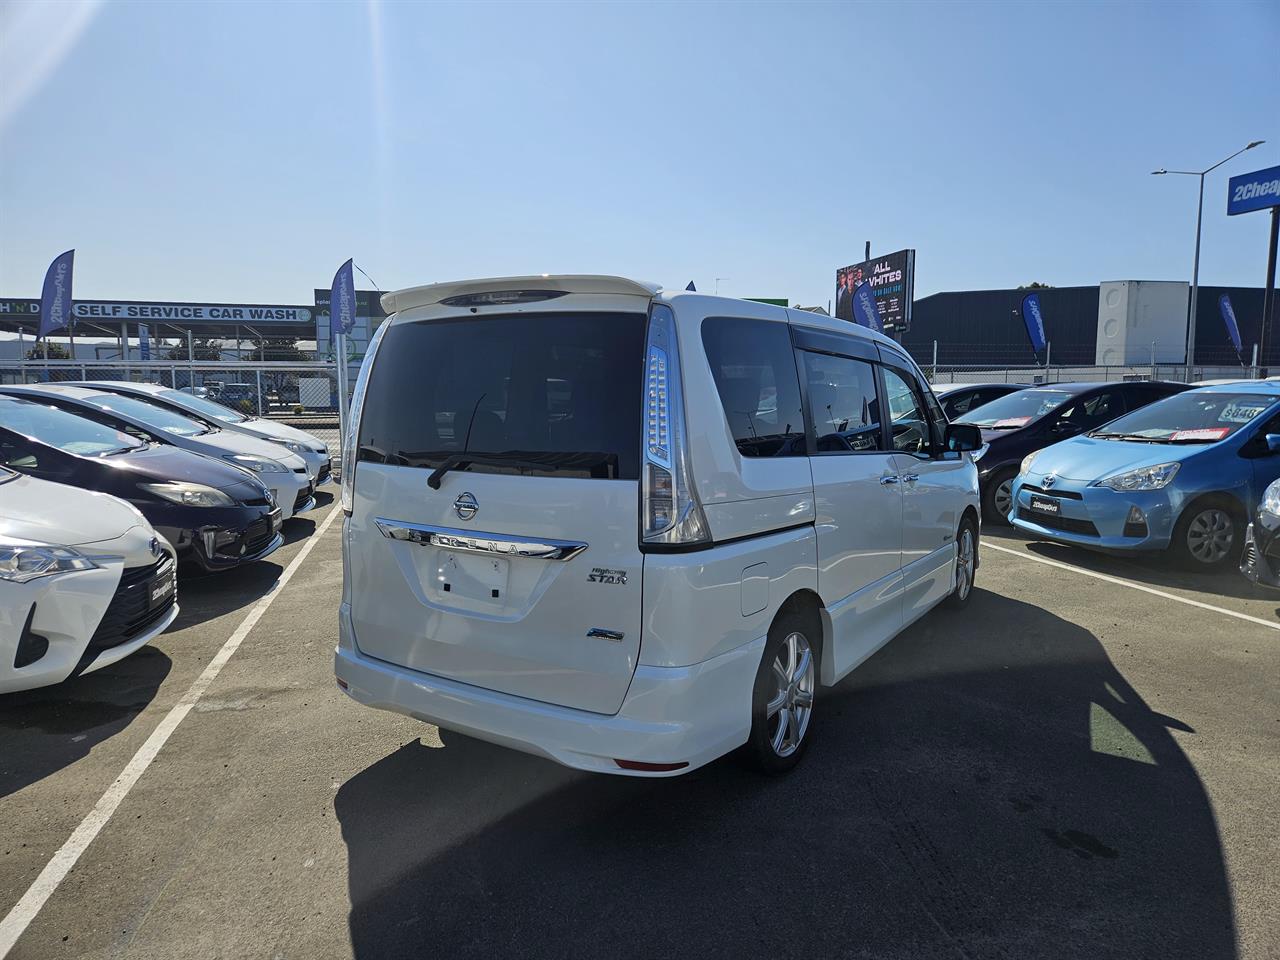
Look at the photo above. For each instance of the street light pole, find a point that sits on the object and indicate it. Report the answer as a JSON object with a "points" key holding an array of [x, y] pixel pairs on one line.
{"points": [[1195, 270]]}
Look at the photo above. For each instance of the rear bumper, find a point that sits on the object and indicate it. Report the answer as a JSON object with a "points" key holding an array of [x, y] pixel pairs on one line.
{"points": [[688, 715]]}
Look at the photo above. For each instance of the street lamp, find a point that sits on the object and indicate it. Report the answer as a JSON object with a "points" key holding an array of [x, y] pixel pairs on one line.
{"points": [[1195, 270]]}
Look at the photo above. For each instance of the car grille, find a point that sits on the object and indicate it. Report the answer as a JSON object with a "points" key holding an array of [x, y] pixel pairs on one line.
{"points": [[323, 475], [127, 614], [1064, 494], [301, 499], [1068, 524]]}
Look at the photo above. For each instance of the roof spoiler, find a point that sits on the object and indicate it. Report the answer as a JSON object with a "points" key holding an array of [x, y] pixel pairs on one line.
{"points": [[567, 283]]}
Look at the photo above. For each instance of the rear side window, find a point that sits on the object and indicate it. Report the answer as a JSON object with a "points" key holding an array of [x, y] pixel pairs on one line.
{"points": [[538, 394], [843, 404], [754, 368]]}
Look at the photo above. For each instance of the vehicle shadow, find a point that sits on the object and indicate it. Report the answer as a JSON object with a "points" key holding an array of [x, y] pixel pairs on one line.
{"points": [[1152, 569], [203, 596], [971, 792], [47, 729]]}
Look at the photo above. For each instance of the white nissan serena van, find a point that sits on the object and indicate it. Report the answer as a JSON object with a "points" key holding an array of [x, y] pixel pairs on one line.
{"points": [[632, 530]]}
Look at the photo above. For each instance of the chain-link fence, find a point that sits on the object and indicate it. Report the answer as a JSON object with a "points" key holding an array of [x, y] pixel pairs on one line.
{"points": [[304, 395]]}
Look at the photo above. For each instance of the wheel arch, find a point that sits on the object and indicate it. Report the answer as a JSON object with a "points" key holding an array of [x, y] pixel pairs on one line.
{"points": [[805, 603]]}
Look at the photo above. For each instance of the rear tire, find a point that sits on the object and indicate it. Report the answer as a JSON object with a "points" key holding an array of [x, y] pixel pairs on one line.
{"points": [[966, 564], [784, 694], [997, 498], [1209, 535]]}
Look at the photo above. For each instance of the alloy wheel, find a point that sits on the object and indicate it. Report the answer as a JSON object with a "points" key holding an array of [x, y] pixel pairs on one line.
{"points": [[964, 564], [1210, 535], [1003, 498], [791, 705]]}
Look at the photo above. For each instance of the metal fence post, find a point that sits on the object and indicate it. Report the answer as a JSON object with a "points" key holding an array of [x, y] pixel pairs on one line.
{"points": [[258, 376], [933, 375]]}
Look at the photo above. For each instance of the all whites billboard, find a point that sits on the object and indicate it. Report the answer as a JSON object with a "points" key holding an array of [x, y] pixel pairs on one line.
{"points": [[893, 281]]}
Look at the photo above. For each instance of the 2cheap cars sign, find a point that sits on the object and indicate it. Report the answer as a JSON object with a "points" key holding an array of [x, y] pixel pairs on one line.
{"points": [[1253, 191]]}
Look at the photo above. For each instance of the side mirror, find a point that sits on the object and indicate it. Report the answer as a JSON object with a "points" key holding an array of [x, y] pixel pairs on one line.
{"points": [[1064, 428], [965, 436], [1273, 442]]}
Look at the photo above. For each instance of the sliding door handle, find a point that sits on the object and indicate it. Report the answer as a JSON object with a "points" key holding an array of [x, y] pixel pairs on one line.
{"points": [[886, 481]]}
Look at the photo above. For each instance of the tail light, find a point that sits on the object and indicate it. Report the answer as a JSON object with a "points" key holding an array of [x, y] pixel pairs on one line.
{"points": [[669, 511], [352, 426]]}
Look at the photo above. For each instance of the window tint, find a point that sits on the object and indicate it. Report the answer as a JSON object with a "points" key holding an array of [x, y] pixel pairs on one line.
{"points": [[1095, 411], [755, 373], [65, 431], [551, 393], [911, 431], [843, 404]]}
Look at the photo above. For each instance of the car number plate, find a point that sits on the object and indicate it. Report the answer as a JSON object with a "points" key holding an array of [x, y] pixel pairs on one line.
{"points": [[276, 521], [1045, 504], [161, 589]]}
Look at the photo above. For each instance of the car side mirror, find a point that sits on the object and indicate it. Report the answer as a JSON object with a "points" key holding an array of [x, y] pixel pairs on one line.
{"points": [[963, 436], [1064, 428]]}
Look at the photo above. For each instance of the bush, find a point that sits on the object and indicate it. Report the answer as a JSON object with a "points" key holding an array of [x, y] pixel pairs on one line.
{"points": [[297, 409]]}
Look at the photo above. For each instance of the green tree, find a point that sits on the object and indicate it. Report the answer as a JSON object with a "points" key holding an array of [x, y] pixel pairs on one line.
{"points": [[204, 348], [56, 352], [1036, 285], [282, 350]]}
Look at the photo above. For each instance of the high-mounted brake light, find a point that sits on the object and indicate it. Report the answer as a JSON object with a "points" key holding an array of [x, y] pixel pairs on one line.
{"points": [[501, 297], [349, 447], [669, 511]]}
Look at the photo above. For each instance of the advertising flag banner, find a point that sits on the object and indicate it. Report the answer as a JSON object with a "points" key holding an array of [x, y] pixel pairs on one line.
{"points": [[866, 311], [342, 300], [144, 342], [691, 288], [55, 297], [1229, 318], [1034, 320]]}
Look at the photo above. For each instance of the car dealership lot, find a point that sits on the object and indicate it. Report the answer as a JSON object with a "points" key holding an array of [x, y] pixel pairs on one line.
{"points": [[1072, 768]]}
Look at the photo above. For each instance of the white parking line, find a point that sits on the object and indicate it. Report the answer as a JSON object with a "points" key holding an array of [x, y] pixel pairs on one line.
{"points": [[20, 917], [1135, 586]]}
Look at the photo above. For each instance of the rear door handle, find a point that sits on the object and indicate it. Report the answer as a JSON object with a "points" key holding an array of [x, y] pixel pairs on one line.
{"points": [[885, 481], [910, 478]]}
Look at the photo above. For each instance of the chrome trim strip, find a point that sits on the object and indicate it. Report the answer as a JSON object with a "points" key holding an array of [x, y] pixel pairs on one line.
{"points": [[478, 542]]}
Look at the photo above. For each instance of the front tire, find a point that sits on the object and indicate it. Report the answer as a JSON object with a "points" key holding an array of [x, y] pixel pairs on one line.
{"points": [[966, 564], [784, 694], [997, 498], [1208, 536]]}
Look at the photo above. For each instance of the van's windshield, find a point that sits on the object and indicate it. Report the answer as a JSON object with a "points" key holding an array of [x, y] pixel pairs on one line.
{"points": [[536, 394]]}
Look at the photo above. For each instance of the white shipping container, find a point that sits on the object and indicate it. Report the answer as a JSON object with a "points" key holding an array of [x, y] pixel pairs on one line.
{"points": [[1142, 321]]}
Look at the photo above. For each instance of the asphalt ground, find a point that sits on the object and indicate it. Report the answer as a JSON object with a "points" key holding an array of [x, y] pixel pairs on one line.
{"points": [[1069, 768]]}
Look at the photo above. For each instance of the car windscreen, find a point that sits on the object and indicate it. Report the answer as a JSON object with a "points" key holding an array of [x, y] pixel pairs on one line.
{"points": [[148, 413], [200, 405], [1196, 416], [1017, 409], [537, 394], [66, 431]]}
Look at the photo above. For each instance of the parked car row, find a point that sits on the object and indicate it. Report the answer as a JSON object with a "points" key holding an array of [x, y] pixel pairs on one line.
{"points": [[102, 493], [1140, 467]]}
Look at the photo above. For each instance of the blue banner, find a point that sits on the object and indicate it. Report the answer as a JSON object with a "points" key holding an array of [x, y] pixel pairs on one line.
{"points": [[865, 309], [55, 298], [342, 301], [1253, 191], [691, 288], [144, 342], [1233, 328], [1034, 320]]}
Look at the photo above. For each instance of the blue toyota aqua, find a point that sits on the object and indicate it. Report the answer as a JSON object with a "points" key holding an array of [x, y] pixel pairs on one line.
{"points": [[1182, 474]]}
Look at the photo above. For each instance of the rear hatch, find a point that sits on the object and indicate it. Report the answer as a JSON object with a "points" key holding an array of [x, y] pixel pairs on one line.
{"points": [[518, 567]]}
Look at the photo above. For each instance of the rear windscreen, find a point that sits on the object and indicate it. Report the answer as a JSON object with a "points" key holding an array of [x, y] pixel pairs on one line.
{"points": [[538, 394]]}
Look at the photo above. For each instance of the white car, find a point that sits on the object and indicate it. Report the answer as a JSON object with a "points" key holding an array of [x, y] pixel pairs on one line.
{"points": [[84, 581], [312, 449], [283, 473], [632, 530]]}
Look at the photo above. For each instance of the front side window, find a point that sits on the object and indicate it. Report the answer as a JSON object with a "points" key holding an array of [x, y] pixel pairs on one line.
{"points": [[843, 404], [536, 394], [753, 365], [907, 417], [1093, 412]]}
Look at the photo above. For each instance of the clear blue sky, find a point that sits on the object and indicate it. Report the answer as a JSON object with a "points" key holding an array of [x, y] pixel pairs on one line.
{"points": [[241, 151]]}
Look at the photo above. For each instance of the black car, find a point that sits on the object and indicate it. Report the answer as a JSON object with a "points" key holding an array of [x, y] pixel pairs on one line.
{"points": [[1032, 419], [210, 511], [958, 399]]}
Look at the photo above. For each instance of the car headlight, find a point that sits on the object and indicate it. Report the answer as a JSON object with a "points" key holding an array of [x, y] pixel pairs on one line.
{"points": [[257, 464], [23, 560], [189, 494], [1271, 499], [1028, 460], [300, 449], [1144, 478]]}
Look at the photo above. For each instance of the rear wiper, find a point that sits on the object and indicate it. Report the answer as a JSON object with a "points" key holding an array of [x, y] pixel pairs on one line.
{"points": [[464, 460]]}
